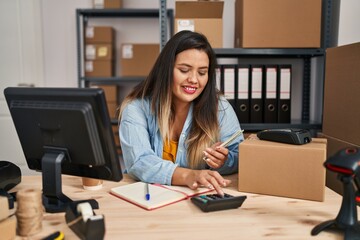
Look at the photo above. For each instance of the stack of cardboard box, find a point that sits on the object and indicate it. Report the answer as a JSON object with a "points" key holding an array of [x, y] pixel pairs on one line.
{"points": [[100, 60], [341, 114], [99, 51]]}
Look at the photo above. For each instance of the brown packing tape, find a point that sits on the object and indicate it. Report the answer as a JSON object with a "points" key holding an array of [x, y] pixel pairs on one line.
{"points": [[4, 208]]}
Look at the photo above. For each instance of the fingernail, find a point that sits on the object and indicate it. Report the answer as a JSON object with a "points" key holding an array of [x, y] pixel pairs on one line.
{"points": [[210, 186], [205, 153], [224, 183]]}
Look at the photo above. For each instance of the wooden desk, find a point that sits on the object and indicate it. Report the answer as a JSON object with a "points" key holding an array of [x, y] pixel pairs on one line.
{"points": [[260, 217]]}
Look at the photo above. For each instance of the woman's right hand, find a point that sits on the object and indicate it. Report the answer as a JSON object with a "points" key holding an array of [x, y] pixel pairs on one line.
{"points": [[200, 178]]}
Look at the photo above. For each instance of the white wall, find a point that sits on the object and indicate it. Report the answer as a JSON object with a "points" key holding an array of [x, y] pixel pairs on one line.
{"points": [[349, 20]]}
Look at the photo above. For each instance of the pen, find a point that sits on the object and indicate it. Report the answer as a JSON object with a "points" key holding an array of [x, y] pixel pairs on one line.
{"points": [[147, 194], [228, 141]]}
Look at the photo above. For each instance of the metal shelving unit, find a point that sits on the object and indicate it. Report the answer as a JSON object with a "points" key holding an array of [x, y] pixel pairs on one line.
{"points": [[330, 17], [82, 18]]}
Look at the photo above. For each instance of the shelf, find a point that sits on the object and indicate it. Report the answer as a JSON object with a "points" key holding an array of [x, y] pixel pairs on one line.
{"points": [[113, 80], [267, 52], [136, 13], [262, 126]]}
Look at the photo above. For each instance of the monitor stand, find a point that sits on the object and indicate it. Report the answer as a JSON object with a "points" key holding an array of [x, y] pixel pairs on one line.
{"points": [[53, 198]]}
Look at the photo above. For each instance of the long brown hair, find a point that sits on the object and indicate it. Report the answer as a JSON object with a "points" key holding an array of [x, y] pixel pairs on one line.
{"points": [[158, 87]]}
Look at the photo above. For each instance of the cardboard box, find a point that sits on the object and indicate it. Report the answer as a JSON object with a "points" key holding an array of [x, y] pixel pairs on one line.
{"points": [[284, 170], [341, 125], [112, 109], [100, 51], [99, 35], [138, 59], [201, 16], [107, 3], [111, 91], [341, 114], [99, 68], [278, 23]]}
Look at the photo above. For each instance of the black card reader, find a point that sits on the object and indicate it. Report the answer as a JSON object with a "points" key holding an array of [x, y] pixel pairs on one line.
{"points": [[289, 135]]}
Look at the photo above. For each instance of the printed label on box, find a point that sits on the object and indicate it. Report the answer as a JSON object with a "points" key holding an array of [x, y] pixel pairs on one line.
{"points": [[89, 67], [90, 52], [89, 32], [98, 3], [102, 51], [185, 24], [127, 51]]}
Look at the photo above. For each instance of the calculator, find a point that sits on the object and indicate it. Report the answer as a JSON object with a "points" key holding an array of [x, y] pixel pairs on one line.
{"points": [[215, 202]]}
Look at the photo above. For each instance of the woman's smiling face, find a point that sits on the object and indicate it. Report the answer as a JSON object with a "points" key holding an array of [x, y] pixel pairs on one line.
{"points": [[190, 75]]}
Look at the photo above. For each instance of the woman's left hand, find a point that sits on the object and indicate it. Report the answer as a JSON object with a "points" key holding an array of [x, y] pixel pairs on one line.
{"points": [[215, 156]]}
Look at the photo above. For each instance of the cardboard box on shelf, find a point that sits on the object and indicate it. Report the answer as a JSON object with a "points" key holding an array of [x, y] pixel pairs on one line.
{"points": [[99, 51], [285, 170], [278, 23], [107, 3], [111, 91], [99, 34], [112, 109], [341, 125], [201, 16], [99, 68], [138, 59]]}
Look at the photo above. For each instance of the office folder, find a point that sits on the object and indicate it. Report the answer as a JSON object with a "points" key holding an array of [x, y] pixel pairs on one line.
{"points": [[229, 84], [270, 98], [256, 98], [284, 96], [243, 102]]}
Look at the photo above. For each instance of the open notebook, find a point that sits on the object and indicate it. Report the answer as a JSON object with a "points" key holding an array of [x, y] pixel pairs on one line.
{"points": [[160, 195]]}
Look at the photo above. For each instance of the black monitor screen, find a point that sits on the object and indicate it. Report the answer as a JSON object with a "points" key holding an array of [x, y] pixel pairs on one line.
{"points": [[64, 131]]}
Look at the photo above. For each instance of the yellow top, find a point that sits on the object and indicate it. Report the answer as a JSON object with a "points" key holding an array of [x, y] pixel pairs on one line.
{"points": [[169, 151]]}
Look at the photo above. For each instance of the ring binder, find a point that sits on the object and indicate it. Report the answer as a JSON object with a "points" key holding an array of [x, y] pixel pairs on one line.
{"points": [[256, 98], [284, 96], [270, 96], [242, 102]]}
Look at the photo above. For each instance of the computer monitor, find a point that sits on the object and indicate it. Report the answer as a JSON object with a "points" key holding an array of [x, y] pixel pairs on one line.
{"points": [[64, 131]]}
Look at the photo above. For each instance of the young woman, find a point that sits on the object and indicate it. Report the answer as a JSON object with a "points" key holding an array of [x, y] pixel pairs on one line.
{"points": [[172, 124]]}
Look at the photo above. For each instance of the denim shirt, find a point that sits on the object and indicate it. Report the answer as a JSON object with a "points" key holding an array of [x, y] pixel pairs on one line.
{"points": [[142, 145]]}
